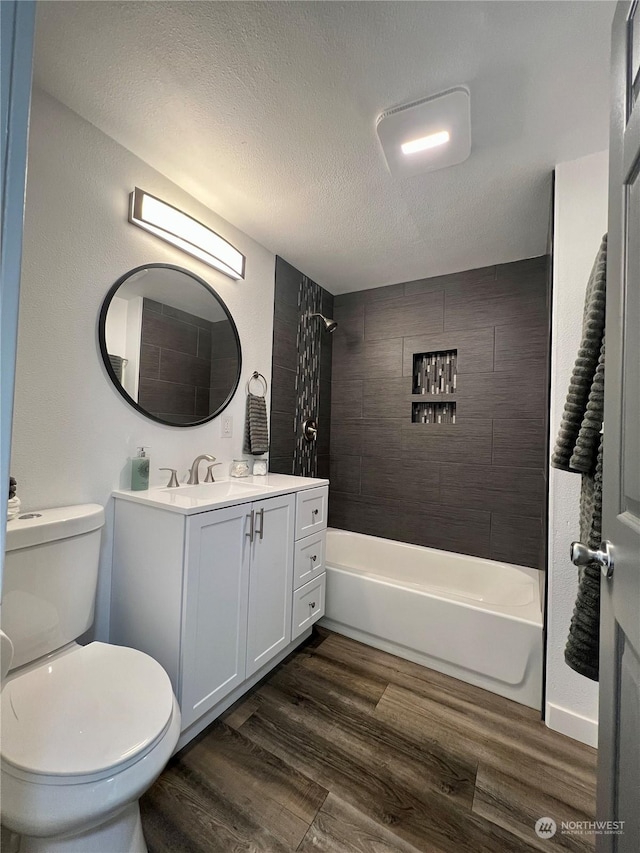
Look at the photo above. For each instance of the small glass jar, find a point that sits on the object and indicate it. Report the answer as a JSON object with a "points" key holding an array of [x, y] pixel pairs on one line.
{"points": [[259, 467], [240, 468]]}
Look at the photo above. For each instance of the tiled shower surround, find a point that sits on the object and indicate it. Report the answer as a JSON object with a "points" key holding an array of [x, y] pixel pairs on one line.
{"points": [[301, 378], [476, 486]]}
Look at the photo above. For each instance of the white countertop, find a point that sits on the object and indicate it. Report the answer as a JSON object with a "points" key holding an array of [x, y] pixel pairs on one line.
{"points": [[189, 500]]}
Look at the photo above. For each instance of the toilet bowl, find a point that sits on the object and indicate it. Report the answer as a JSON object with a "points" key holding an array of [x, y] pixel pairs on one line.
{"points": [[85, 729], [84, 734]]}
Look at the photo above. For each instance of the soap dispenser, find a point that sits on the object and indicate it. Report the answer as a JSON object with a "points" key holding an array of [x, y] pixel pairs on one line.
{"points": [[140, 470]]}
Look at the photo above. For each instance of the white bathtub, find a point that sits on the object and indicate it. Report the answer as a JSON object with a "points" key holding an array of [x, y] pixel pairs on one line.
{"points": [[477, 620]]}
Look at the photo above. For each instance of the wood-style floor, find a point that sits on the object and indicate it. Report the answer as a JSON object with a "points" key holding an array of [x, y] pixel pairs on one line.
{"points": [[346, 749]]}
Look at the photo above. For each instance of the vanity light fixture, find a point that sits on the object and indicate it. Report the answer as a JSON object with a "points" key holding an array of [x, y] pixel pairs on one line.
{"points": [[185, 232], [428, 134]]}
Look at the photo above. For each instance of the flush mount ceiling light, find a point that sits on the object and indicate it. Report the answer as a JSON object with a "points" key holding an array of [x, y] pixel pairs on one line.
{"points": [[429, 134], [181, 230]]}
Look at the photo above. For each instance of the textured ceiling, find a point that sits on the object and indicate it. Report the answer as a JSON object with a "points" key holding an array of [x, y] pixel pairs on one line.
{"points": [[266, 113]]}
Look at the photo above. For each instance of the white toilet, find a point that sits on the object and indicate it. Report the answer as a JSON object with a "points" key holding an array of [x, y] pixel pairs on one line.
{"points": [[85, 729]]}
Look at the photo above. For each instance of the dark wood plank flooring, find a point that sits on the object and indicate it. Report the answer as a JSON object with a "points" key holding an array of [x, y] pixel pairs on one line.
{"points": [[346, 749]]}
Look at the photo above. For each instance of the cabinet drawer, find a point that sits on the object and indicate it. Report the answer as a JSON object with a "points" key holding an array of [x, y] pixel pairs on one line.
{"points": [[308, 605], [311, 511], [309, 558]]}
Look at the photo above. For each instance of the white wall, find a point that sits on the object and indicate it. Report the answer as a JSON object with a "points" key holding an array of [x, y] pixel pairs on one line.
{"points": [[115, 328], [123, 332], [133, 337], [580, 221], [73, 433]]}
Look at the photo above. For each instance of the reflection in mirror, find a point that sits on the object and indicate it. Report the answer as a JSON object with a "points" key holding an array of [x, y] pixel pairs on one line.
{"points": [[170, 345]]}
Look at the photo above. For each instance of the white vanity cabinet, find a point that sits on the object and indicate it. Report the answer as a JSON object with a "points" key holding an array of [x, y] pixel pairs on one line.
{"points": [[223, 559], [271, 577], [309, 573], [216, 586], [211, 594], [237, 607]]}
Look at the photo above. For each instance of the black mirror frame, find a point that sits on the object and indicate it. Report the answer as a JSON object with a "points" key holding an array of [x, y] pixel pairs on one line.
{"points": [[102, 339]]}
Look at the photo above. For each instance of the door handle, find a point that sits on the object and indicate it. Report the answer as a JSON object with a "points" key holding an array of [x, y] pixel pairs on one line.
{"points": [[251, 532], [261, 531], [582, 555]]}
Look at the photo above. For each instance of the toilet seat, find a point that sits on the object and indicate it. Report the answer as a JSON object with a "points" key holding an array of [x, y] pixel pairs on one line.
{"points": [[84, 714]]}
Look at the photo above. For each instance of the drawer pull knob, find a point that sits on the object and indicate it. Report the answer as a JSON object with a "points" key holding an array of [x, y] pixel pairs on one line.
{"points": [[315, 511], [314, 558], [312, 605]]}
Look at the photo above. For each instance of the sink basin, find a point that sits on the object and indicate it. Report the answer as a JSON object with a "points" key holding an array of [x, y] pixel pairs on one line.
{"points": [[213, 491]]}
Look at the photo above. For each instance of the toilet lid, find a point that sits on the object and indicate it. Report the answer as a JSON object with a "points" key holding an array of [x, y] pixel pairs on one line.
{"points": [[85, 711]]}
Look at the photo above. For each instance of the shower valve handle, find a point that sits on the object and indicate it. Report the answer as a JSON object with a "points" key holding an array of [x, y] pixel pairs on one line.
{"points": [[310, 429]]}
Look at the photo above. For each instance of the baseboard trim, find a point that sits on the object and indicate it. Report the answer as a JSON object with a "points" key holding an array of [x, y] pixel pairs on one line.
{"points": [[572, 725]]}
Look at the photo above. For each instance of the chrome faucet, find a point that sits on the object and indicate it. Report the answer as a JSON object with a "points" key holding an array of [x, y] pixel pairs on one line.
{"points": [[193, 473]]}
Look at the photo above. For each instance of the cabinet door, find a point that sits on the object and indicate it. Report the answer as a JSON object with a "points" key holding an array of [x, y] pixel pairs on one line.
{"points": [[271, 580], [215, 608]]}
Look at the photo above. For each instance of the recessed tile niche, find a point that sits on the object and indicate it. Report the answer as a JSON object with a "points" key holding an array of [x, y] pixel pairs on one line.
{"points": [[433, 413], [434, 375]]}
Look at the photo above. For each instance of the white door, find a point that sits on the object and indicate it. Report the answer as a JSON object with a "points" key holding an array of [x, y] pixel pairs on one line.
{"points": [[619, 726], [17, 21], [214, 642], [271, 580]]}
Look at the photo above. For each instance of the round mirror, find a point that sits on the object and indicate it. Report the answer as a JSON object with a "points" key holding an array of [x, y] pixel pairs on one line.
{"points": [[170, 345]]}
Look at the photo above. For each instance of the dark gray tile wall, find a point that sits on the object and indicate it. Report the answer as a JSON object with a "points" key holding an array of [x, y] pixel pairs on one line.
{"points": [[224, 362], [286, 423], [447, 442], [477, 486], [175, 363], [188, 365]]}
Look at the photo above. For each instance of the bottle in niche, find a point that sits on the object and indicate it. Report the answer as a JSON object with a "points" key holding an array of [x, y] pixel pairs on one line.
{"points": [[140, 470]]}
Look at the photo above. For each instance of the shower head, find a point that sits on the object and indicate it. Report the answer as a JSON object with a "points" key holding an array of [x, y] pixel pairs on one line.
{"points": [[329, 325]]}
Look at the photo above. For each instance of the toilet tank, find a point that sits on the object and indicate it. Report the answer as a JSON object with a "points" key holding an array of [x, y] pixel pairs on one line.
{"points": [[50, 578]]}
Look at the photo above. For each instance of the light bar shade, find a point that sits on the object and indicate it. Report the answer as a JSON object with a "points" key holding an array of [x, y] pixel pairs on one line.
{"points": [[170, 224], [425, 142]]}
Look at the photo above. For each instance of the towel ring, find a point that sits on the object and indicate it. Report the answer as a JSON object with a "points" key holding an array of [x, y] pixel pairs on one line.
{"points": [[260, 378]]}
